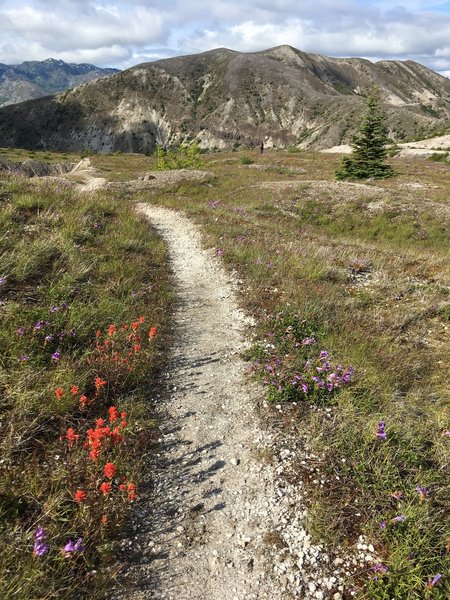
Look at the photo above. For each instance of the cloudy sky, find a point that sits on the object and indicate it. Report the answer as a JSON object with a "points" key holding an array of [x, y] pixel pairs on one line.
{"points": [[122, 33]]}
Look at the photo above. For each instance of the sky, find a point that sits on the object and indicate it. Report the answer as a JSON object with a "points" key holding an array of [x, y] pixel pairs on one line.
{"points": [[123, 33]]}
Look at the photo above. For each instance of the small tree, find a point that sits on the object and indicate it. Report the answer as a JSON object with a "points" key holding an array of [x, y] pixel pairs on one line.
{"points": [[369, 145]]}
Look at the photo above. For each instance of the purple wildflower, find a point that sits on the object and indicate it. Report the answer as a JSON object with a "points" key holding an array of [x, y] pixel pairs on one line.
{"points": [[447, 432], [64, 305], [24, 358], [72, 546], [49, 338], [69, 547], [54, 309], [38, 325], [40, 547], [323, 355], [2, 281], [219, 251], [383, 524], [97, 225], [56, 356], [398, 519], [432, 582], [305, 388], [21, 330], [379, 568], [73, 332], [308, 341], [381, 432], [423, 492]]}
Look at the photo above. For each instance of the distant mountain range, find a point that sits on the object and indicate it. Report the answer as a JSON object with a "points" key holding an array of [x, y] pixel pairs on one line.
{"points": [[34, 79], [227, 99]]}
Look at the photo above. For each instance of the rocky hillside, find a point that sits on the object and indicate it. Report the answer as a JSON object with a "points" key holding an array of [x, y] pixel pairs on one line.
{"points": [[34, 79], [225, 98]]}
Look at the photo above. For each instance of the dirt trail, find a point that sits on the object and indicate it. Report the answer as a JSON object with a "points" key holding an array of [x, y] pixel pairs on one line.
{"points": [[210, 493]]}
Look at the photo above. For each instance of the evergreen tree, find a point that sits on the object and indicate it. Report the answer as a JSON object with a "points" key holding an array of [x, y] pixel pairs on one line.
{"points": [[369, 145]]}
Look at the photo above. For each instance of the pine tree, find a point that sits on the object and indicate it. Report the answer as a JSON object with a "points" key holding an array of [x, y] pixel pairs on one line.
{"points": [[369, 145]]}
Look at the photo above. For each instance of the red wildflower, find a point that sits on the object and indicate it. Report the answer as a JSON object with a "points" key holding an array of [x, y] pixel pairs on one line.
{"points": [[109, 470], [111, 330], [59, 392], [71, 436], [135, 325], [97, 334], [74, 390], [80, 496], [122, 486], [105, 488], [152, 332], [83, 401], [141, 319], [136, 347], [123, 415], [113, 414], [104, 519], [124, 423], [99, 383], [99, 422], [131, 489]]}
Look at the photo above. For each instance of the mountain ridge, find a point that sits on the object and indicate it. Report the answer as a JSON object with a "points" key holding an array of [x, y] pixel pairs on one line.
{"points": [[224, 98], [34, 79]]}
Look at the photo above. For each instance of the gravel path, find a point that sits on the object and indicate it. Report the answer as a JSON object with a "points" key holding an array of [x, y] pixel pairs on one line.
{"points": [[203, 536], [218, 520]]}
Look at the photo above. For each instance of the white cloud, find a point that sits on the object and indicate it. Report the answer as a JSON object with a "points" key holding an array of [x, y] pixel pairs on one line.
{"points": [[125, 32]]}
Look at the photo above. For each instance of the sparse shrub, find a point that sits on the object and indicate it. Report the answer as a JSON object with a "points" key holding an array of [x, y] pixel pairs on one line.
{"points": [[439, 157], [184, 157], [246, 160]]}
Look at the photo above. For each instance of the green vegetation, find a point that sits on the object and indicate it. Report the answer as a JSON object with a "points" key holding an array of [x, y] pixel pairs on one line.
{"points": [[246, 160], [439, 157], [369, 146], [72, 266], [184, 157]]}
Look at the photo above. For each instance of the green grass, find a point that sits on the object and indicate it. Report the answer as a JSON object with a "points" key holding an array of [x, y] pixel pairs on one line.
{"points": [[72, 265]]}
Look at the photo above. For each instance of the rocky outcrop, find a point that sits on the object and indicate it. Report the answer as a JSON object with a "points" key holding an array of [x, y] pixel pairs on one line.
{"points": [[224, 98], [35, 168]]}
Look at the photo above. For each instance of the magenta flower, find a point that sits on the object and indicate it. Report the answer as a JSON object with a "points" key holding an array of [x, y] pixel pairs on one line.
{"points": [[447, 432], [21, 330], [219, 251], [56, 356]]}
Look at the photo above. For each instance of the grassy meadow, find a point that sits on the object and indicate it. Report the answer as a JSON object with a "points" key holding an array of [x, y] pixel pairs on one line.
{"points": [[349, 284], [85, 301]]}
